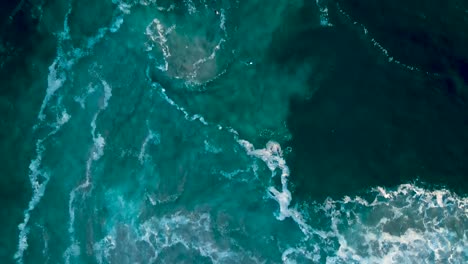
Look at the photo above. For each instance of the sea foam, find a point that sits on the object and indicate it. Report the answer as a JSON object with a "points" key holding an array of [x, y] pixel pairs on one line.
{"points": [[272, 155], [97, 151], [39, 179]]}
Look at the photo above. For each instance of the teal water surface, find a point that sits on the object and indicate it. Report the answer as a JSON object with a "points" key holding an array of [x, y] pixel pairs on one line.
{"points": [[233, 132]]}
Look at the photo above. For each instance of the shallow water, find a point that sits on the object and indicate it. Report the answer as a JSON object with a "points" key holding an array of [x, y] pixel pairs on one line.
{"points": [[233, 132]]}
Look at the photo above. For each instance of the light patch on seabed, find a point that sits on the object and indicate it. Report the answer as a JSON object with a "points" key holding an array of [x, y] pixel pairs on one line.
{"points": [[189, 58]]}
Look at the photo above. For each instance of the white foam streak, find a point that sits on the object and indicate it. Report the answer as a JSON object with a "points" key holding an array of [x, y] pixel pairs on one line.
{"points": [[124, 7], [96, 153], [103, 247], [55, 80], [222, 21], [186, 114], [190, 7], [107, 94], [377, 45], [57, 77], [192, 231], [63, 62], [324, 20], [409, 225], [117, 24], [160, 37], [38, 180], [196, 65], [285, 257], [153, 138], [272, 155]]}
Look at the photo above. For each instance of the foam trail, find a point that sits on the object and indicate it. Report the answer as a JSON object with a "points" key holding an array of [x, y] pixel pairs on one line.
{"points": [[409, 224], [323, 9], [378, 46], [123, 6], [55, 80], [314, 258], [203, 60], [193, 231], [57, 77], [57, 70], [38, 186], [160, 37], [103, 247], [190, 7], [152, 137], [186, 114], [272, 155], [97, 152], [222, 21]]}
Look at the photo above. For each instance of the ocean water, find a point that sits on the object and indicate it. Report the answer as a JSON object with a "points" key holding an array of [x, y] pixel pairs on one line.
{"points": [[153, 131]]}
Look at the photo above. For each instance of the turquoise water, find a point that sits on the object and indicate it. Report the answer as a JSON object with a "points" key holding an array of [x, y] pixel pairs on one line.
{"points": [[232, 132]]}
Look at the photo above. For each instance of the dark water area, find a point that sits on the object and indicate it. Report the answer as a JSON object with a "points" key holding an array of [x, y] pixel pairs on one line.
{"points": [[372, 122], [430, 35]]}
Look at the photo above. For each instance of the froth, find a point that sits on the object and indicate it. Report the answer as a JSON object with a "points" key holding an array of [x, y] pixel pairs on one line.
{"points": [[55, 80], [186, 114], [272, 155], [39, 180], [107, 94], [324, 20], [159, 36], [156, 239], [97, 151], [153, 138], [408, 224]]}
